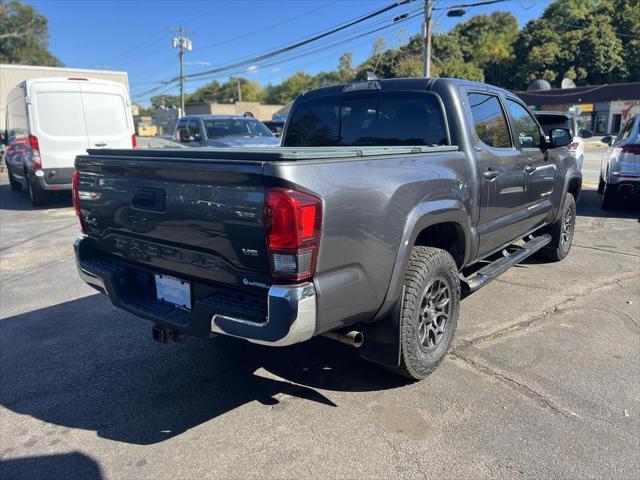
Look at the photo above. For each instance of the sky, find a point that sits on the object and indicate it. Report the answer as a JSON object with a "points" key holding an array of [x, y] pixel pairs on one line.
{"points": [[135, 36]]}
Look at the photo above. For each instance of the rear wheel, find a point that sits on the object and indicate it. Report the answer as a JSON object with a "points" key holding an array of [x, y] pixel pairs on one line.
{"points": [[561, 232], [16, 186], [430, 309], [601, 186], [37, 194]]}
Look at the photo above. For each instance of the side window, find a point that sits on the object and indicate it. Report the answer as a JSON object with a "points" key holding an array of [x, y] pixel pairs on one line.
{"points": [[17, 119], [626, 130], [489, 120], [525, 128], [194, 130]]}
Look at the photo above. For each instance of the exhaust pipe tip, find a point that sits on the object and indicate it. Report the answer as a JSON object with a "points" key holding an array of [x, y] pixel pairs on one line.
{"points": [[354, 338]]}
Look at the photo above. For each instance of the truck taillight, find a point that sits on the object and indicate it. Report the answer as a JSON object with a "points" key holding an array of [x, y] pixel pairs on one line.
{"points": [[134, 142], [36, 160], [293, 221], [75, 189]]}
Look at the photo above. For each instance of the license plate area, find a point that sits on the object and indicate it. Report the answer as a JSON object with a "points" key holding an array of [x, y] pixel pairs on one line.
{"points": [[173, 290]]}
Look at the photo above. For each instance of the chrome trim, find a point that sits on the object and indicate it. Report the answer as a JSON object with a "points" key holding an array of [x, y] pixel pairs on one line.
{"points": [[295, 305]]}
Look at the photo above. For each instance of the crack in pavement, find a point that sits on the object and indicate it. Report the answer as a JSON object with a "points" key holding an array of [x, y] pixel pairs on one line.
{"points": [[545, 313], [529, 392], [605, 250]]}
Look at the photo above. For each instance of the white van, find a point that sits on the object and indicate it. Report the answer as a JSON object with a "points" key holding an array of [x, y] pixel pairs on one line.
{"points": [[51, 120]]}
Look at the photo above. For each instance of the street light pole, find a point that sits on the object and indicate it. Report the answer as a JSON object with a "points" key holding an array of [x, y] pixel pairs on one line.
{"points": [[182, 44], [181, 56], [426, 33]]}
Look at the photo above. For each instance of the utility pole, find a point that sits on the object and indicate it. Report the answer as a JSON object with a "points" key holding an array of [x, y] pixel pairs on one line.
{"points": [[426, 33], [239, 95], [182, 44]]}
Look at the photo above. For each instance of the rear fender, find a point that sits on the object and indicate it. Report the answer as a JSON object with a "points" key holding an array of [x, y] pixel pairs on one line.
{"points": [[382, 335], [572, 183]]}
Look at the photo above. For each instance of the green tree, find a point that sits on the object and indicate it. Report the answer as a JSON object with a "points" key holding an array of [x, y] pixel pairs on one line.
{"points": [[486, 42], [24, 35], [591, 41], [166, 100], [345, 67], [290, 88]]}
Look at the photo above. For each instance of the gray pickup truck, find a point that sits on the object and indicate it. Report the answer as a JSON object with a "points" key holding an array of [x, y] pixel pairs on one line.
{"points": [[388, 200]]}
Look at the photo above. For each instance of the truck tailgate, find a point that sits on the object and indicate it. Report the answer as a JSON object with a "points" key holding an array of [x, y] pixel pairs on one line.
{"points": [[201, 219]]}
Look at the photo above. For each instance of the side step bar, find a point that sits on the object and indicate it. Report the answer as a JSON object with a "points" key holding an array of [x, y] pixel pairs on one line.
{"points": [[496, 268]]}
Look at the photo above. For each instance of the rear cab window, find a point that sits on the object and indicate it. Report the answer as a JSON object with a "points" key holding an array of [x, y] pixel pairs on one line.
{"points": [[368, 119], [194, 130]]}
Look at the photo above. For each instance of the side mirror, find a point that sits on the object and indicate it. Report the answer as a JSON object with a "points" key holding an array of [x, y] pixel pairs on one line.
{"points": [[607, 139], [560, 137], [584, 133], [183, 135]]}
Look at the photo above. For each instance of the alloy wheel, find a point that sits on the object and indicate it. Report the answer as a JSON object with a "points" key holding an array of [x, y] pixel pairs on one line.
{"points": [[433, 315], [567, 228]]}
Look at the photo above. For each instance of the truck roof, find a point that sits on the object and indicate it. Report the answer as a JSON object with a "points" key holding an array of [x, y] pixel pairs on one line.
{"points": [[404, 84]]}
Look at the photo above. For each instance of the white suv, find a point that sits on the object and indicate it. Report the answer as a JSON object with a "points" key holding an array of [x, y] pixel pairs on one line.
{"points": [[620, 168]]}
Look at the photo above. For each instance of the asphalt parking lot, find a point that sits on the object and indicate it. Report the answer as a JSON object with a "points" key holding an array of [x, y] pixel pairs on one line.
{"points": [[543, 380]]}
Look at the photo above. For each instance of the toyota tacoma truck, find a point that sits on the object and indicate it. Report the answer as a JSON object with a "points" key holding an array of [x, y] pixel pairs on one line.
{"points": [[387, 201]]}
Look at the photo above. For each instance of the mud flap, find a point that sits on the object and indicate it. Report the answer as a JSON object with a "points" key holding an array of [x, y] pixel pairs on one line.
{"points": [[382, 338]]}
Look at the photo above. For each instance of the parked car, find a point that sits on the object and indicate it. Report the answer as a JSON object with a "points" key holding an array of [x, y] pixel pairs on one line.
{"points": [[620, 167], [275, 127], [387, 200], [51, 120], [549, 120], [223, 131]]}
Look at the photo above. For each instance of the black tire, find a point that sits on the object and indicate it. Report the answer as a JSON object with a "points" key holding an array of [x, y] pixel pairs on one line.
{"points": [[601, 186], [16, 186], [610, 198], [561, 232], [36, 193], [422, 343]]}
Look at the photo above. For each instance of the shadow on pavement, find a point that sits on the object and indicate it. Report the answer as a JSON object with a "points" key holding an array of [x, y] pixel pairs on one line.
{"points": [[10, 200], [67, 466], [590, 206], [84, 364]]}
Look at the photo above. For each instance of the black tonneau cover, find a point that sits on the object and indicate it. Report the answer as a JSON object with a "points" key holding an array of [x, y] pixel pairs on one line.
{"points": [[266, 154]]}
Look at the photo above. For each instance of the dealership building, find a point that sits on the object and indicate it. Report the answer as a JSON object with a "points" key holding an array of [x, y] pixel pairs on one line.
{"points": [[600, 108]]}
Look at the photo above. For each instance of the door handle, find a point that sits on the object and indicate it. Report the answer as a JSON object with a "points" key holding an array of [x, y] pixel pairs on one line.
{"points": [[100, 144], [491, 174], [530, 169]]}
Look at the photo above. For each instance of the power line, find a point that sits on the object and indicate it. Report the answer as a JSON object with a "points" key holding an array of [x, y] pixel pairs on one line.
{"points": [[264, 29], [303, 42], [282, 50], [230, 71]]}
